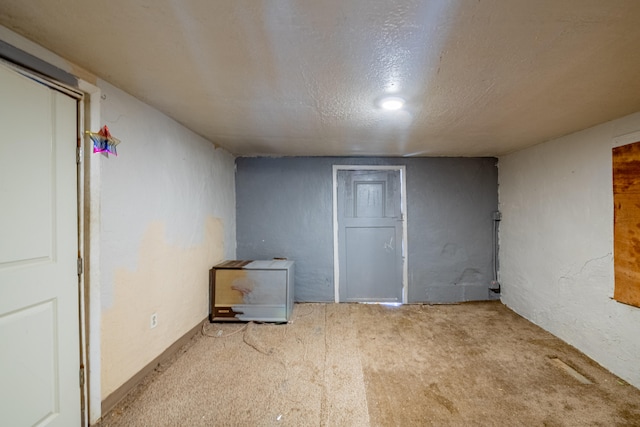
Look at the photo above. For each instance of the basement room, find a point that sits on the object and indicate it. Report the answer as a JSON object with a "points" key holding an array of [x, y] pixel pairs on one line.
{"points": [[336, 213]]}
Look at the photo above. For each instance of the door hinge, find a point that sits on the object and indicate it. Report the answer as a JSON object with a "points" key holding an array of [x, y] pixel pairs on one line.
{"points": [[81, 376], [79, 152], [79, 266]]}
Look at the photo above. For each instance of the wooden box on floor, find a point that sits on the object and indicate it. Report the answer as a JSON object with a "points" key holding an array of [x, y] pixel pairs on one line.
{"points": [[260, 291]]}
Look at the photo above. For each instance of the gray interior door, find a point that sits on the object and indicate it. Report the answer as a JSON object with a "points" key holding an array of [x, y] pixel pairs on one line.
{"points": [[369, 236]]}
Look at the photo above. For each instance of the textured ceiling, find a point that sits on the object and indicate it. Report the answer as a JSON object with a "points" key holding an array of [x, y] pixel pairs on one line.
{"points": [[481, 77]]}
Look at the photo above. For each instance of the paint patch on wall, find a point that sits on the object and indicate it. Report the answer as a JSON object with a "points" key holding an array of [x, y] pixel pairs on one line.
{"points": [[170, 281]]}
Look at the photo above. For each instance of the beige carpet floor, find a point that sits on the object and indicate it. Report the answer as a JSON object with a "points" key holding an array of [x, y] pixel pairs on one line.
{"points": [[475, 364]]}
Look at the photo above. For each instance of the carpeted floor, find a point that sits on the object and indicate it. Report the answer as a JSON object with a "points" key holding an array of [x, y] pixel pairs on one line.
{"points": [[369, 365]]}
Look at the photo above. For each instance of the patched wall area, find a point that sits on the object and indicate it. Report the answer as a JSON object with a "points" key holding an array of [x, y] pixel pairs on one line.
{"points": [[556, 244], [167, 214], [284, 209]]}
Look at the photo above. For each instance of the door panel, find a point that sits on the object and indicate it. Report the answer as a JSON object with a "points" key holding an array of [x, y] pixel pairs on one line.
{"points": [[26, 221], [369, 236], [39, 326], [370, 274], [33, 396], [370, 199]]}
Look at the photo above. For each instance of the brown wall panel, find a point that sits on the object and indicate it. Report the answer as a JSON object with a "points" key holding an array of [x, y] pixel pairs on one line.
{"points": [[626, 201]]}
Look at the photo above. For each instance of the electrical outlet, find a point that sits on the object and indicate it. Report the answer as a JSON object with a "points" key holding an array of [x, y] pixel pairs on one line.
{"points": [[154, 320]]}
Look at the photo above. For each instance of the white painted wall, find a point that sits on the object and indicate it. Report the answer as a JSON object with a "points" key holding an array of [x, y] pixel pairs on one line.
{"points": [[159, 216], [167, 212], [556, 244]]}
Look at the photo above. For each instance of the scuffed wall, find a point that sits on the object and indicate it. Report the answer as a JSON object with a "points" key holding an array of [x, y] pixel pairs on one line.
{"points": [[167, 213], [284, 209], [556, 244]]}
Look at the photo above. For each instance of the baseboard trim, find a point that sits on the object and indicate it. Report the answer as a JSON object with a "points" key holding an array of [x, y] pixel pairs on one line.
{"points": [[121, 392]]}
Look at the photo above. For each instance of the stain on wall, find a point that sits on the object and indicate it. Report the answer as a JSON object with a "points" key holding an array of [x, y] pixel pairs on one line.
{"points": [[167, 215], [168, 280], [284, 209]]}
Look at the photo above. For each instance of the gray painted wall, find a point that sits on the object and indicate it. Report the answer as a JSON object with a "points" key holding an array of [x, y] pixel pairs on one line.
{"points": [[284, 209]]}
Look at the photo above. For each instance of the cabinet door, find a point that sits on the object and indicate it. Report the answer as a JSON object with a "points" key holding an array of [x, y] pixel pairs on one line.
{"points": [[251, 294]]}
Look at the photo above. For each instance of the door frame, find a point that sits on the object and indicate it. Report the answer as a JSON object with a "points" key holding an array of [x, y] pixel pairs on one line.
{"points": [[403, 209], [89, 227]]}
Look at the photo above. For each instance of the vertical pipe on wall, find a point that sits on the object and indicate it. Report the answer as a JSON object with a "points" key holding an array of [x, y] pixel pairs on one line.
{"points": [[495, 284]]}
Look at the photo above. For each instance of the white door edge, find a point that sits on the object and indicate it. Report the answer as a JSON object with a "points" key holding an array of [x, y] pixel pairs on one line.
{"points": [[91, 253], [403, 207]]}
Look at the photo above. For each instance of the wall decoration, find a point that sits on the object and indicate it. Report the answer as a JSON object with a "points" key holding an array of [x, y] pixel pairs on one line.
{"points": [[103, 141]]}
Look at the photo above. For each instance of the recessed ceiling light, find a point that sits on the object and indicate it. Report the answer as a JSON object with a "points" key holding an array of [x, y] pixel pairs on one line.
{"points": [[392, 103]]}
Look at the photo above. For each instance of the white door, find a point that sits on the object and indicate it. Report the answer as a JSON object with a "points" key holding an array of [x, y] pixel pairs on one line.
{"points": [[39, 326]]}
